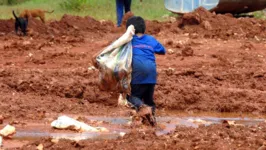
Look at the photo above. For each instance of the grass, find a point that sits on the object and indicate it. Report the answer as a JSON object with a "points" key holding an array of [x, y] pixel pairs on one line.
{"points": [[260, 14], [99, 9]]}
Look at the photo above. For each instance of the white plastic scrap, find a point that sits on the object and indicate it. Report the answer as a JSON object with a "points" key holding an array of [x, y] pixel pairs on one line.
{"points": [[65, 122], [199, 121], [1, 141], [122, 134], [7, 131], [122, 101], [91, 68]]}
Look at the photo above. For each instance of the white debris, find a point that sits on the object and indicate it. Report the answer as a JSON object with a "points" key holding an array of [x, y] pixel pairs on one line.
{"points": [[170, 51], [65, 122], [7, 131], [91, 68], [1, 141], [122, 134], [30, 54], [122, 101], [232, 123], [199, 121], [55, 140], [256, 38], [39, 147]]}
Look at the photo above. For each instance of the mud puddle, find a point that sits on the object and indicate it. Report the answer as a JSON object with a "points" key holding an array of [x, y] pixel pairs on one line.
{"points": [[118, 126]]}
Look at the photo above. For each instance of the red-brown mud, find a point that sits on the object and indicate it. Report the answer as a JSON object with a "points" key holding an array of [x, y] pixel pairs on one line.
{"points": [[212, 137], [213, 63]]}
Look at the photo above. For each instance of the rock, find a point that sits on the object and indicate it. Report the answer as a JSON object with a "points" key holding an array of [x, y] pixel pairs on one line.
{"points": [[170, 51], [55, 141]]}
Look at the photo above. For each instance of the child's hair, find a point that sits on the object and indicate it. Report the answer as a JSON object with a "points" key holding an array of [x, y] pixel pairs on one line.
{"points": [[138, 23]]}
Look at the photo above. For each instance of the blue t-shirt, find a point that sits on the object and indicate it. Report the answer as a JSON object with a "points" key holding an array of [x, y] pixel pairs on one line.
{"points": [[143, 60]]}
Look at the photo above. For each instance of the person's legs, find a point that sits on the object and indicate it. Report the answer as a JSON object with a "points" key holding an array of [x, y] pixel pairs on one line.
{"points": [[143, 110], [127, 5], [135, 98], [119, 11], [148, 100], [148, 96]]}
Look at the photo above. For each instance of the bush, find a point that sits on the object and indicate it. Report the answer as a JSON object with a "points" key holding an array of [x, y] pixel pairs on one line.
{"points": [[74, 5], [11, 2]]}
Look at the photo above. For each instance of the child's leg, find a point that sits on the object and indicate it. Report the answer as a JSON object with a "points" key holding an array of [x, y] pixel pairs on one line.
{"points": [[148, 96], [135, 98], [119, 11]]}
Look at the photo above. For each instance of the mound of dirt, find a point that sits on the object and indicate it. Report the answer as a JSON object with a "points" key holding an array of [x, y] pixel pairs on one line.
{"points": [[37, 26], [7, 26], [211, 25], [81, 23], [126, 17], [68, 25]]}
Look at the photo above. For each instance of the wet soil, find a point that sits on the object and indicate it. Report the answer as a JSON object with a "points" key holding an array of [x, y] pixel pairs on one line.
{"points": [[210, 137], [214, 63]]}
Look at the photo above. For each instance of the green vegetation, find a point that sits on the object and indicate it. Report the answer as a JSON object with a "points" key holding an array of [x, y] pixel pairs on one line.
{"points": [[260, 14], [74, 5], [11, 2], [99, 9]]}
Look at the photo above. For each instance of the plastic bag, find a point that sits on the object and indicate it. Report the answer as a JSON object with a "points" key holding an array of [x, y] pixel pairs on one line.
{"points": [[65, 122], [114, 64], [8, 131]]}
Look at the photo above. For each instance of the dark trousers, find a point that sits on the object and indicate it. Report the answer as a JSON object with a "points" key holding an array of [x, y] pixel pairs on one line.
{"points": [[120, 6], [142, 94]]}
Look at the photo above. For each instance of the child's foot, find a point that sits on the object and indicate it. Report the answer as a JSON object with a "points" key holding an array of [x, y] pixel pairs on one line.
{"points": [[145, 112]]}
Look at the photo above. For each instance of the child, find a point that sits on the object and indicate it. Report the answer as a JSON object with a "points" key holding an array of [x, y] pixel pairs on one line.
{"points": [[143, 70]]}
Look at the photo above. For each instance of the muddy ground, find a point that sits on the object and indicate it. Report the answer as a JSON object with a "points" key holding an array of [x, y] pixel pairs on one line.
{"points": [[214, 63]]}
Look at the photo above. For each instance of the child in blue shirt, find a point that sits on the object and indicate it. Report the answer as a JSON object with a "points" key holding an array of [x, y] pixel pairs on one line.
{"points": [[144, 72]]}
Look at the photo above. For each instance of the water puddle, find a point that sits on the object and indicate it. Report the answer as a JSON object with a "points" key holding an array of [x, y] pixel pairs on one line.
{"points": [[31, 135], [119, 125]]}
